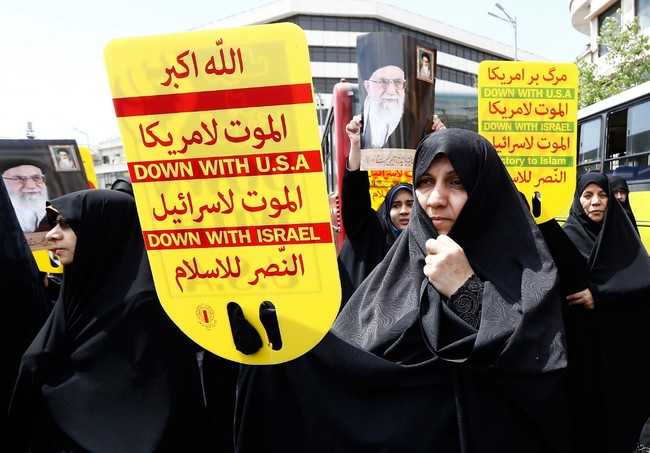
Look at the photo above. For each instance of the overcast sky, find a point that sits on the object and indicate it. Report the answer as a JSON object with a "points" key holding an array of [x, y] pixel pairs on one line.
{"points": [[54, 75]]}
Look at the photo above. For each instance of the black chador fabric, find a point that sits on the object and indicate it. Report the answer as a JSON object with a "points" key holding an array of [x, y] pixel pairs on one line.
{"points": [[571, 264], [109, 369], [608, 346], [23, 307], [370, 233], [399, 371]]}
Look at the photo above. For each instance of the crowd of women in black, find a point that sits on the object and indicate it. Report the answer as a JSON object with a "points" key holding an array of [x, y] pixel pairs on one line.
{"points": [[471, 334]]}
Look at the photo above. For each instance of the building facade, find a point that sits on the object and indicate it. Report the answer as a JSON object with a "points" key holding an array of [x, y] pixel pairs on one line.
{"points": [[110, 162], [332, 27], [588, 16]]}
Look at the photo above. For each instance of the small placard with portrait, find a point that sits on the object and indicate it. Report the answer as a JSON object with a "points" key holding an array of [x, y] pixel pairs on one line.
{"points": [[425, 64], [64, 158]]}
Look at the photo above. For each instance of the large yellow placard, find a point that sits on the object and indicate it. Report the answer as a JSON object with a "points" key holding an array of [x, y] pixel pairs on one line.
{"points": [[221, 137], [528, 110]]}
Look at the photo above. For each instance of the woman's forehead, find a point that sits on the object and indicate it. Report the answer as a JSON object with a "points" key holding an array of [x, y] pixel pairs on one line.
{"points": [[403, 194], [592, 187], [440, 162]]}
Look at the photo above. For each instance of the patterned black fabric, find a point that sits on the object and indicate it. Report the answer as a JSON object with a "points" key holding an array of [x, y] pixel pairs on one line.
{"points": [[643, 446], [466, 301]]}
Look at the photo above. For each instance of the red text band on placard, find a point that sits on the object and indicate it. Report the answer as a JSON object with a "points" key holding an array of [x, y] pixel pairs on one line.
{"points": [[304, 233], [235, 98], [226, 166]]}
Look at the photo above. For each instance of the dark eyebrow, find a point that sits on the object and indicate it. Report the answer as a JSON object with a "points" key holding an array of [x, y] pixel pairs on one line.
{"points": [[450, 172]]}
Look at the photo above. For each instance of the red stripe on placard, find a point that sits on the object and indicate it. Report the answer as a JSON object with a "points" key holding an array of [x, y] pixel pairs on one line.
{"points": [[305, 233], [226, 166], [236, 98]]}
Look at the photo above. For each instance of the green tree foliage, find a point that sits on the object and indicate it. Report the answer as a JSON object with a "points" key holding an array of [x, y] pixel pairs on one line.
{"points": [[627, 62]]}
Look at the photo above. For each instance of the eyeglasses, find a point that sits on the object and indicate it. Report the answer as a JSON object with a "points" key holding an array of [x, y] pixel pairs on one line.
{"points": [[399, 84], [38, 179], [62, 222]]}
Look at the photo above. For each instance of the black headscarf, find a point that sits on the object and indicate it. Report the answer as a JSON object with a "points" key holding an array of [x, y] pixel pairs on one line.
{"points": [[401, 372], [582, 230], [616, 256], [607, 345], [110, 369], [618, 182], [384, 208]]}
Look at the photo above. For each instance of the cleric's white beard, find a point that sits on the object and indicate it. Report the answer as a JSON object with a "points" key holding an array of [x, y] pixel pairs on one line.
{"points": [[384, 118], [30, 209]]}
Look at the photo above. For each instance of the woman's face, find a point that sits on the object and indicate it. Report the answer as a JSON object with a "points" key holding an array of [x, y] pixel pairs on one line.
{"points": [[441, 193], [594, 202], [400, 208], [64, 239], [621, 195]]}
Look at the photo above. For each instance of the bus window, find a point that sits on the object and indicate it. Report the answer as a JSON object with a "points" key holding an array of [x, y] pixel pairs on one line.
{"points": [[329, 152], [628, 138], [457, 109], [589, 152], [616, 138], [638, 138]]}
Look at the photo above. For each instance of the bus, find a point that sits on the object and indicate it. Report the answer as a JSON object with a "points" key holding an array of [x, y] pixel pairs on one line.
{"points": [[614, 138], [456, 108]]}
